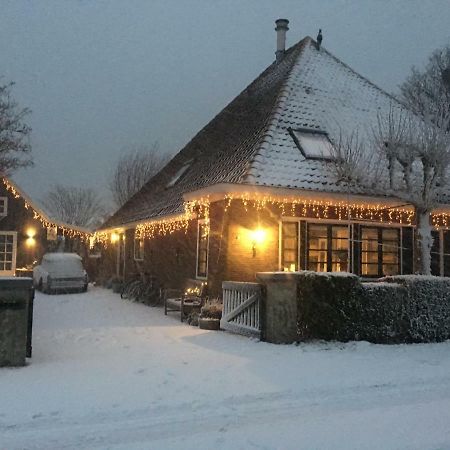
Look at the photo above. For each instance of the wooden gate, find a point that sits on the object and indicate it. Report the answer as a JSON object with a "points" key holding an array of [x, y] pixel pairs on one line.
{"points": [[241, 308]]}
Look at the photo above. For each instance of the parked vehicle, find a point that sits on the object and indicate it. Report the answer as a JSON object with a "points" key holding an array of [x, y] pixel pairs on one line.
{"points": [[60, 272]]}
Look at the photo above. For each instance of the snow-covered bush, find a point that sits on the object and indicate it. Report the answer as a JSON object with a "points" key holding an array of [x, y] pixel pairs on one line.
{"points": [[326, 305], [396, 309]]}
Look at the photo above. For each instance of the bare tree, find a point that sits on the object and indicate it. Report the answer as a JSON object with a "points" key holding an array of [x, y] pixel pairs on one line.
{"points": [[133, 170], [14, 133], [429, 90], [408, 158], [75, 206]]}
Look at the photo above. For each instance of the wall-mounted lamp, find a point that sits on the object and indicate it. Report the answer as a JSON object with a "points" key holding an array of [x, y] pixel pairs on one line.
{"points": [[31, 241], [114, 238], [258, 236]]}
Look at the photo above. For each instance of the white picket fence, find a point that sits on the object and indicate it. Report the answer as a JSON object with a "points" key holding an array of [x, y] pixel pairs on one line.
{"points": [[241, 308]]}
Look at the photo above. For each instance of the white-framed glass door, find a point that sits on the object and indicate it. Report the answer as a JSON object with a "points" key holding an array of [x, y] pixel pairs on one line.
{"points": [[8, 253]]}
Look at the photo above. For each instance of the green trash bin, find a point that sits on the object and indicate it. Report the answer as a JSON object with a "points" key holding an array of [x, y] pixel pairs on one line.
{"points": [[16, 320]]}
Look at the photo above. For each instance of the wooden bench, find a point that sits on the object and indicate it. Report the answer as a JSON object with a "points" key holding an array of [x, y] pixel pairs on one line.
{"points": [[186, 301]]}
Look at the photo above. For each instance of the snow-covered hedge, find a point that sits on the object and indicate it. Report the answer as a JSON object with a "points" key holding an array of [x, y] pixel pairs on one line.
{"points": [[395, 309]]}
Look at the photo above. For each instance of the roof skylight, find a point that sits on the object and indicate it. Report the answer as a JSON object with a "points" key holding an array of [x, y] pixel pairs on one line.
{"points": [[313, 144]]}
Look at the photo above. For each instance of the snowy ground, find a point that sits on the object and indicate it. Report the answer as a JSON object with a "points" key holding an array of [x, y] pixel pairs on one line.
{"points": [[107, 373]]}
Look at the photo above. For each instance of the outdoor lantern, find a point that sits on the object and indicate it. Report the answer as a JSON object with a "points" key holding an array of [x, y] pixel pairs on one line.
{"points": [[258, 237], [114, 238], [31, 241]]}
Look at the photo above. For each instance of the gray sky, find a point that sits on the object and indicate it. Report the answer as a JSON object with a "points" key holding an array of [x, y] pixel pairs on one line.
{"points": [[100, 76]]}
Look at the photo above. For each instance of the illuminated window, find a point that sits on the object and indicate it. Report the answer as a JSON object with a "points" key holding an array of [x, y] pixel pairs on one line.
{"points": [[139, 244], [289, 246], [3, 206], [380, 251], [328, 248], [202, 249], [313, 144], [179, 174]]}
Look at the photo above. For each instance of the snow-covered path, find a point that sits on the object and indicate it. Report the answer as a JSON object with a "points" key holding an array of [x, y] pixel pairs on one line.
{"points": [[107, 373]]}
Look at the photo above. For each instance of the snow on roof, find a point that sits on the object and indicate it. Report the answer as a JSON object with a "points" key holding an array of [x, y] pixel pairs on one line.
{"points": [[321, 94], [249, 141]]}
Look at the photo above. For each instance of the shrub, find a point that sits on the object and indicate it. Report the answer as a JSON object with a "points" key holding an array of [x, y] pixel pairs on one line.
{"points": [[211, 310], [325, 305], [392, 310]]}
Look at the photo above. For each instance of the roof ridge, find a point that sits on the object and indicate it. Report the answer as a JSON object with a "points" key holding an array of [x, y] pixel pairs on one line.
{"points": [[273, 120]]}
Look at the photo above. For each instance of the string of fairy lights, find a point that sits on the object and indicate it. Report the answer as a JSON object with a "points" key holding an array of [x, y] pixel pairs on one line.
{"points": [[285, 207], [66, 231]]}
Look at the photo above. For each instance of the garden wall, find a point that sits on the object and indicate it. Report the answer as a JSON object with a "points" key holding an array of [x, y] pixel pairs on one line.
{"points": [[395, 309]]}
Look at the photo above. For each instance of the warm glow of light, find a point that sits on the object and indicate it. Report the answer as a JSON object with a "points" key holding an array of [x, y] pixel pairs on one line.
{"points": [[31, 233], [258, 236], [30, 242], [114, 238]]}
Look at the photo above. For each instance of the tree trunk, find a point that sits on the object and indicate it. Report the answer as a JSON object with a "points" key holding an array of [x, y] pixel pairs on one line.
{"points": [[423, 242]]}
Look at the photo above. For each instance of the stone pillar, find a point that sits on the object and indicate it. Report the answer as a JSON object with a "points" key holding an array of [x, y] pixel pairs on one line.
{"points": [[279, 307]]}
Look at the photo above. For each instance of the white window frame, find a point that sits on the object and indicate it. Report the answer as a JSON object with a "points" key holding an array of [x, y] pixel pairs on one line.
{"points": [[4, 210], [201, 277], [14, 254]]}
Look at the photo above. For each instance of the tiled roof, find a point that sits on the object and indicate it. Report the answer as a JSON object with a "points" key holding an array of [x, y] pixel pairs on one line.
{"points": [[220, 153], [248, 142], [323, 94]]}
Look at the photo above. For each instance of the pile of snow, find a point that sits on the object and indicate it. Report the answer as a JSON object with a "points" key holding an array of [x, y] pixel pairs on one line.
{"points": [[108, 373]]}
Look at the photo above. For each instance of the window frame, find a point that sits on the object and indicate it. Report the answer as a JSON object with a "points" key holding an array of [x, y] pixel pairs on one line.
{"points": [[138, 255], [380, 253], [293, 131], [11, 271], [329, 223], [4, 211], [198, 275]]}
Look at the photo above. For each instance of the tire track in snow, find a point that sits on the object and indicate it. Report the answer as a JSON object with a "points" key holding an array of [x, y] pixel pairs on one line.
{"points": [[152, 424]]}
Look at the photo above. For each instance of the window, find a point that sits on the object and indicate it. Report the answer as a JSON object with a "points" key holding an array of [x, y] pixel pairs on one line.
{"points": [[289, 249], [139, 244], [202, 249], [8, 245], [313, 144], [179, 174], [380, 251], [327, 247], [3, 206]]}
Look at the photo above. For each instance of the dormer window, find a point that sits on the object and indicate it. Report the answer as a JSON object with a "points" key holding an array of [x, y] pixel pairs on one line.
{"points": [[179, 174], [313, 144]]}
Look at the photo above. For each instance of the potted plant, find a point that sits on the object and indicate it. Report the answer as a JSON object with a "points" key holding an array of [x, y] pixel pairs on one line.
{"points": [[210, 316]]}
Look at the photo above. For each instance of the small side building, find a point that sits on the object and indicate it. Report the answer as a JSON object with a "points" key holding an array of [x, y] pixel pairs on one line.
{"points": [[27, 232]]}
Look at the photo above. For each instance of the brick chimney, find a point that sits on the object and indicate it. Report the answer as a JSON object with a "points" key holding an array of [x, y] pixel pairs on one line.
{"points": [[281, 28]]}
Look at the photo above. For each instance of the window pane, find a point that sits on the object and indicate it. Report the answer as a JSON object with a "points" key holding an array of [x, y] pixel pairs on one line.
{"points": [[202, 250], [339, 246], [369, 269], [317, 261], [289, 246]]}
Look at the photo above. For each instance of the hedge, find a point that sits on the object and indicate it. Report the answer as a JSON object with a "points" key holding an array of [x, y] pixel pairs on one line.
{"points": [[395, 309]]}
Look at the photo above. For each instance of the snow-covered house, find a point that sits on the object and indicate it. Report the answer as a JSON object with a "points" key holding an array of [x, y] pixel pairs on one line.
{"points": [[27, 231], [256, 190]]}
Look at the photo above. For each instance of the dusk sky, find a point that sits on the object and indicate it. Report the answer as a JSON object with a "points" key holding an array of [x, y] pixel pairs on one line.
{"points": [[103, 76]]}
